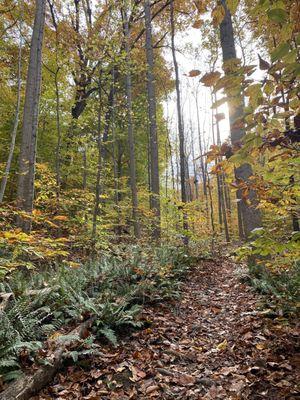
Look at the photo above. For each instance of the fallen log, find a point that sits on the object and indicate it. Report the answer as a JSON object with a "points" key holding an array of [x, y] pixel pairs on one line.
{"points": [[5, 299], [27, 386]]}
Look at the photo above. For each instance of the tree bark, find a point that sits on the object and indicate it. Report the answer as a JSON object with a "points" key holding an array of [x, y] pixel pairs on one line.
{"points": [[25, 190], [182, 157], [194, 166], [99, 163], [26, 387], [16, 121], [250, 215], [221, 184], [115, 156], [154, 160], [131, 145], [200, 148], [59, 137]]}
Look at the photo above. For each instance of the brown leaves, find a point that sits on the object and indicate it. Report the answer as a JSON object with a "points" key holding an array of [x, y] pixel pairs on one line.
{"points": [[193, 73], [263, 65], [201, 5], [210, 79], [186, 354], [137, 374], [198, 24]]}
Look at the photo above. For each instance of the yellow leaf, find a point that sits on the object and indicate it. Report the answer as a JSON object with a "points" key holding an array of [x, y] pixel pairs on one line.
{"points": [[232, 5], [55, 336], [74, 265], [218, 14], [223, 345], [261, 345]]}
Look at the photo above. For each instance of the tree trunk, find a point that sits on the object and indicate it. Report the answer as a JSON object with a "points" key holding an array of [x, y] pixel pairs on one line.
{"points": [[201, 149], [25, 190], [99, 163], [211, 211], [115, 156], [219, 190], [295, 218], [250, 215], [84, 167], [131, 145], [194, 166], [16, 121], [154, 161], [221, 183], [59, 138], [172, 162], [183, 166]]}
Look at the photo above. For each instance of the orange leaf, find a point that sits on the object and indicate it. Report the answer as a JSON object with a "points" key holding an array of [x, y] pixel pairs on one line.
{"points": [[210, 79], [60, 218], [193, 73], [197, 24]]}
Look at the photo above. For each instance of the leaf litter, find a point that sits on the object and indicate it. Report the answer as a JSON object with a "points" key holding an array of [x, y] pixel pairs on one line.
{"points": [[213, 343]]}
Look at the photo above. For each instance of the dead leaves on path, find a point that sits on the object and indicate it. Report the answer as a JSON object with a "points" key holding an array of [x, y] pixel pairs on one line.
{"points": [[213, 344]]}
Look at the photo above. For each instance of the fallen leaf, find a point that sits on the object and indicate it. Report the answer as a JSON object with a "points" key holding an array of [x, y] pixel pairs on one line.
{"points": [[223, 345]]}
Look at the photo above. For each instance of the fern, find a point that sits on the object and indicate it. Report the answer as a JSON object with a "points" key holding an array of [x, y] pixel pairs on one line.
{"points": [[109, 334], [109, 290]]}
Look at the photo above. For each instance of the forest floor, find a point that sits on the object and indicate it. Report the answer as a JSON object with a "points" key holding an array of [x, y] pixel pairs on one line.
{"points": [[213, 343]]}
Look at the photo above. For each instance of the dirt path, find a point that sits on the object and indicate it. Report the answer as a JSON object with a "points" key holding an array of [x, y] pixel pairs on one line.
{"points": [[213, 344]]}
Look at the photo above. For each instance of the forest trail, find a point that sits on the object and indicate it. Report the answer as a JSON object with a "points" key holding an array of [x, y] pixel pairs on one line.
{"points": [[213, 343]]}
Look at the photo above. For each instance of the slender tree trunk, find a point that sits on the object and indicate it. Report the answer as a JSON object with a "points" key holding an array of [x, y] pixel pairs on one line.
{"points": [[211, 211], [221, 184], [114, 155], [154, 161], [99, 162], [295, 218], [84, 167], [16, 120], [25, 190], [201, 149], [177, 169], [171, 161], [131, 145], [57, 108], [183, 166], [59, 138], [219, 189], [194, 167], [250, 215]]}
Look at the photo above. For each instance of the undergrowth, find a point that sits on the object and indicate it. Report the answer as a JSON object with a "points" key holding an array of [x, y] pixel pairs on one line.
{"points": [[281, 288], [112, 290]]}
